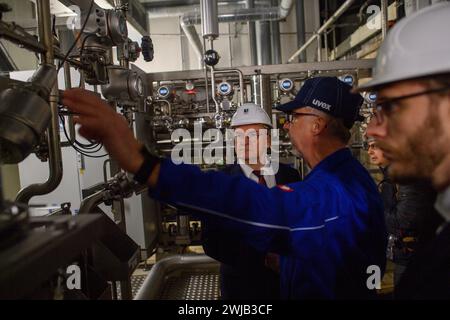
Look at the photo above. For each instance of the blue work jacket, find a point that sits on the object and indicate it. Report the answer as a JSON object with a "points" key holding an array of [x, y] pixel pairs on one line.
{"points": [[329, 228]]}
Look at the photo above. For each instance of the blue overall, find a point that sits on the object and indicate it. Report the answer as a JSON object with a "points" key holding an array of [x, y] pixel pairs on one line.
{"points": [[328, 228]]}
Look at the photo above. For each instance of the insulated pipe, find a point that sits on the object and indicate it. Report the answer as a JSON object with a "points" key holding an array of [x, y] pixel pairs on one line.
{"points": [[300, 18], [252, 34], [238, 15], [264, 52], [54, 147], [210, 22], [193, 38], [275, 41], [324, 27], [384, 18]]}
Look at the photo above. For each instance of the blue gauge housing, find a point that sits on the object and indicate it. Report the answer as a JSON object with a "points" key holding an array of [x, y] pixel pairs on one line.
{"points": [[348, 79], [163, 92], [224, 88], [372, 96], [286, 85]]}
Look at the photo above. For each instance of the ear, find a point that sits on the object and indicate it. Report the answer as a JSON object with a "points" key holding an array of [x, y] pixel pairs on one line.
{"points": [[318, 125]]}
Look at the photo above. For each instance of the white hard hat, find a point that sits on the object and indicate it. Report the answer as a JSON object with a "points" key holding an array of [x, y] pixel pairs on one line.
{"points": [[250, 113], [417, 46]]}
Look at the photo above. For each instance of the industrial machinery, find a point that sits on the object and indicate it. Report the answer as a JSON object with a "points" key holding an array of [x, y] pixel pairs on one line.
{"points": [[36, 251], [161, 108]]}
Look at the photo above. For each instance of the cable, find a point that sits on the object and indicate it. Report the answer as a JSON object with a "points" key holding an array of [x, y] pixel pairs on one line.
{"points": [[78, 36], [83, 152], [91, 145]]}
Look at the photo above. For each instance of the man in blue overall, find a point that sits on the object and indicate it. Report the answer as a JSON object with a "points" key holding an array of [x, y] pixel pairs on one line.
{"points": [[246, 273], [328, 229]]}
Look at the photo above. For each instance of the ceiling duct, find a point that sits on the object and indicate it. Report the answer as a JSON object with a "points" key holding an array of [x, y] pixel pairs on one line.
{"points": [[230, 15]]}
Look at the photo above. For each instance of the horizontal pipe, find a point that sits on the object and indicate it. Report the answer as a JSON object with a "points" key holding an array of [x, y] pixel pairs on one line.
{"points": [[88, 204]]}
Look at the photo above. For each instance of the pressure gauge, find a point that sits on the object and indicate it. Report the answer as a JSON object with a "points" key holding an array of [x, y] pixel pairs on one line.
{"points": [[224, 88], [371, 97], [163, 92], [190, 86], [286, 85], [348, 79]]}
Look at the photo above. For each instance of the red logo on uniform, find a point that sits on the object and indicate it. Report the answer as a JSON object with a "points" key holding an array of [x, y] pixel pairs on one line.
{"points": [[285, 188]]}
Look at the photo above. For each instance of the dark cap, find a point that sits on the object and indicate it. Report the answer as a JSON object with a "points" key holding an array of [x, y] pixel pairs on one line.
{"points": [[330, 95]]}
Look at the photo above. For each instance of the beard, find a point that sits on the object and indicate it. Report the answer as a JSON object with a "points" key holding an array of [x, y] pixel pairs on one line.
{"points": [[420, 153]]}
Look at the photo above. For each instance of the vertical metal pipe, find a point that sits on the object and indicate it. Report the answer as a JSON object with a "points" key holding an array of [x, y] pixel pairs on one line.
{"points": [[275, 39], [252, 34], [206, 81], [68, 85], [319, 48], [300, 17], [256, 94], [54, 147], [262, 93], [384, 18], [264, 53], [266, 93], [210, 19], [213, 89]]}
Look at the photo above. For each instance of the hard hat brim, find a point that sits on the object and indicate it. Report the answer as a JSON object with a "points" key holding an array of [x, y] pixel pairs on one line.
{"points": [[375, 84]]}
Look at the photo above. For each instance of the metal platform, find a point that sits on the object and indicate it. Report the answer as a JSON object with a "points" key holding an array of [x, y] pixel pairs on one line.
{"points": [[192, 286], [182, 277]]}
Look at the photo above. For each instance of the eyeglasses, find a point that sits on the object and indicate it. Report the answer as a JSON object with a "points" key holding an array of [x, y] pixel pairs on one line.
{"points": [[367, 146], [386, 107], [294, 115]]}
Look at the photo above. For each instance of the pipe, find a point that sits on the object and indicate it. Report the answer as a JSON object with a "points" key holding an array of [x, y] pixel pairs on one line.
{"points": [[262, 93], [178, 11], [193, 38], [213, 89], [68, 84], [275, 41], [264, 52], [324, 27], [238, 15], [88, 204], [210, 22], [252, 34], [154, 282], [54, 147], [300, 19], [384, 18], [241, 82], [319, 48], [206, 84]]}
